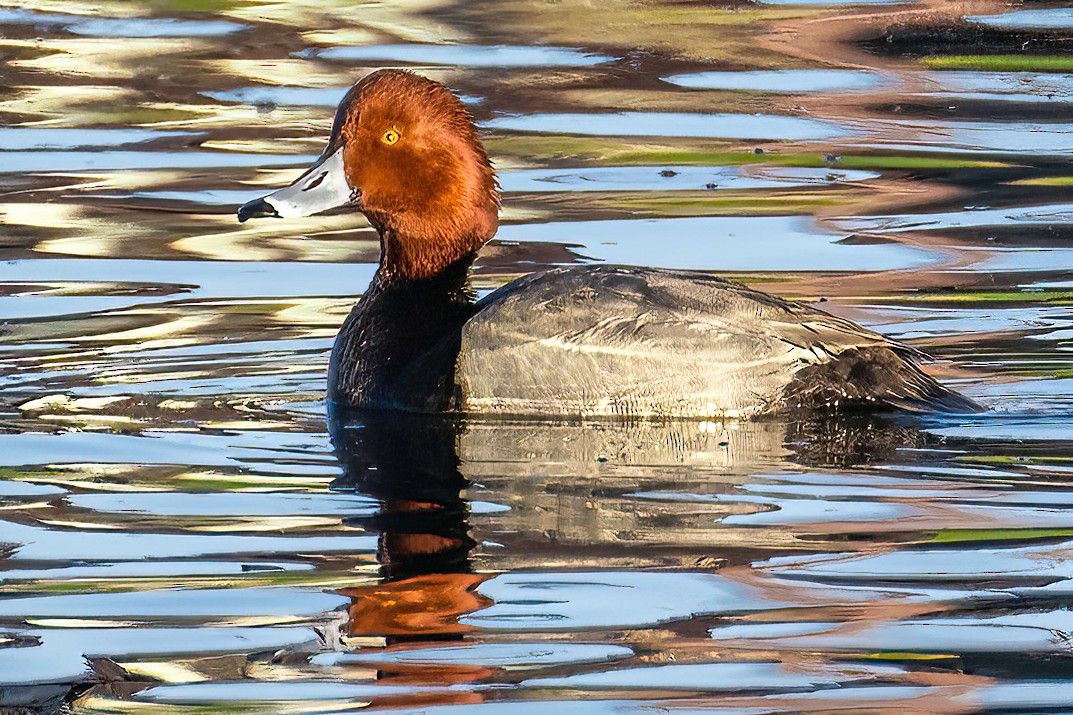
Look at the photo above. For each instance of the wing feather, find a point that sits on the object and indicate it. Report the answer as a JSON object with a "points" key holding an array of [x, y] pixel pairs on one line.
{"points": [[611, 340]]}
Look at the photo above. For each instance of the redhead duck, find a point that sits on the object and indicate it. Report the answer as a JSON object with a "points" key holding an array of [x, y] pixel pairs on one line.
{"points": [[581, 341]]}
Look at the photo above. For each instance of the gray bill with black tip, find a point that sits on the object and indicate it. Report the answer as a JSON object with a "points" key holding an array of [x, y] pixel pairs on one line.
{"points": [[321, 188]]}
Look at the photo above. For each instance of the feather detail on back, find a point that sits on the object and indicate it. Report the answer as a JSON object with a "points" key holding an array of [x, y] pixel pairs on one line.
{"points": [[611, 340]]}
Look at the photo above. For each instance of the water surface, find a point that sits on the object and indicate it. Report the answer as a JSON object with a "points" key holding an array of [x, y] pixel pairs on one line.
{"points": [[185, 528]]}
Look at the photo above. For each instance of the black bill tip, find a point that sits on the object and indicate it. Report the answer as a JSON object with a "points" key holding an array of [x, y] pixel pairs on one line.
{"points": [[258, 208]]}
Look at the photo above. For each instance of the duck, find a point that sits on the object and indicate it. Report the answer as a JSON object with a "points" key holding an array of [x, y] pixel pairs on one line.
{"points": [[580, 341]]}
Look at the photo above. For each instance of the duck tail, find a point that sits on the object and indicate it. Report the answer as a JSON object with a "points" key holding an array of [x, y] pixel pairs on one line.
{"points": [[871, 377]]}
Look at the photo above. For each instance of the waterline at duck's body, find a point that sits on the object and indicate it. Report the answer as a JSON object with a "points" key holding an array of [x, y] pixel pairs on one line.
{"points": [[610, 341]]}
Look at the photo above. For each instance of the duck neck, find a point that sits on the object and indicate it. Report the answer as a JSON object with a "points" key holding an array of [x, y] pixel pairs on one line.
{"points": [[399, 345], [435, 260], [401, 290]]}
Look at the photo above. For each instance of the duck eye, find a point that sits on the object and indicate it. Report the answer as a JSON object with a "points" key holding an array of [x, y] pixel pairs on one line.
{"points": [[390, 136]]}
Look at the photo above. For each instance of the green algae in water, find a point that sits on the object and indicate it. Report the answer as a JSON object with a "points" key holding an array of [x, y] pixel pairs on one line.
{"points": [[599, 151], [1002, 63], [1044, 181], [1034, 297], [957, 536]]}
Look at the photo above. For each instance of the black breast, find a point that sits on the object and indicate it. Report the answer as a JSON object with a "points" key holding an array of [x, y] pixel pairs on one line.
{"points": [[398, 347]]}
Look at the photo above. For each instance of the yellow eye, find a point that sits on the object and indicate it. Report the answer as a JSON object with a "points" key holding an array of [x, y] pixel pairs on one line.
{"points": [[390, 136]]}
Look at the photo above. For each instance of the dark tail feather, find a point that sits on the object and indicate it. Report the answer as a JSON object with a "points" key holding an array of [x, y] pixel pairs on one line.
{"points": [[868, 378]]}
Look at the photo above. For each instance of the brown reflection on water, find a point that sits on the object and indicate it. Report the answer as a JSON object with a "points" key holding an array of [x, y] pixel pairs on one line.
{"points": [[409, 464]]}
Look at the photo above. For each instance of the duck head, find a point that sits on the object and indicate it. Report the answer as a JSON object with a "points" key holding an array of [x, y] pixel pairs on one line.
{"points": [[404, 151]]}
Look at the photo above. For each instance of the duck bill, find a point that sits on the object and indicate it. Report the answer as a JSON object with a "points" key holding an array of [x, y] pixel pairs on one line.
{"points": [[322, 187]]}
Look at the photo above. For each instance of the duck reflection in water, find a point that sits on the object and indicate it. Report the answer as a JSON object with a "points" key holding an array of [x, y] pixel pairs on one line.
{"points": [[556, 478], [410, 464]]}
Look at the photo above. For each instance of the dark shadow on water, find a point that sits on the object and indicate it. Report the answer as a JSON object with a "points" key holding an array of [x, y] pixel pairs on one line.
{"points": [[850, 440]]}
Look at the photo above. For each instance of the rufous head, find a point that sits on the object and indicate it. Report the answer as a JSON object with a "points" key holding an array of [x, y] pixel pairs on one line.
{"points": [[404, 151]]}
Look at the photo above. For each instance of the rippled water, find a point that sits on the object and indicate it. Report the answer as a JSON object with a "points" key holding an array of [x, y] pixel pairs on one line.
{"points": [[184, 528]]}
